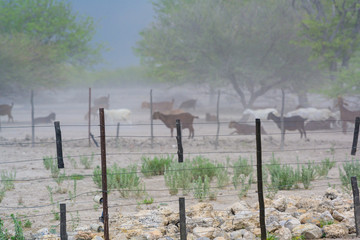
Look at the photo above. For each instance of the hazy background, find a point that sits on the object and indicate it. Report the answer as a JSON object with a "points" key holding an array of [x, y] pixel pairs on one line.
{"points": [[119, 24]]}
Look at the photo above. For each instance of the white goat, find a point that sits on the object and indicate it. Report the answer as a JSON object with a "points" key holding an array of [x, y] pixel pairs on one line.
{"points": [[312, 114], [118, 115], [259, 113]]}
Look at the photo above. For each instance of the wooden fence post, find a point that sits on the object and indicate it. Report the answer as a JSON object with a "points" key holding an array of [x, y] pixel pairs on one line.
{"points": [[259, 180], [179, 142], [182, 218], [117, 131], [103, 172], [356, 135], [63, 233], [217, 120], [59, 145], [32, 119], [89, 118], [355, 190]]}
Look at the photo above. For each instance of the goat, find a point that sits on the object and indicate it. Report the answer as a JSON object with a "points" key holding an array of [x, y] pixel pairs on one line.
{"points": [[290, 123], [191, 103], [210, 118], [259, 113], [317, 125], [48, 119], [174, 111], [244, 129], [6, 109], [312, 114], [186, 120], [345, 114], [102, 101], [118, 115], [159, 106]]}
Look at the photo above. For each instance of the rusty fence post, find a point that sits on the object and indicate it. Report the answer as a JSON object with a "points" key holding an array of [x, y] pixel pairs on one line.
{"points": [[103, 173], [259, 179]]}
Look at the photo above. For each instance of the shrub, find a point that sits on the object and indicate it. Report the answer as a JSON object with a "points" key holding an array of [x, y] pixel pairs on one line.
{"points": [[324, 167], [222, 176], [155, 166], [242, 169], [202, 167], [282, 177], [307, 175], [47, 161], [7, 178], [87, 162], [201, 188], [178, 176], [125, 180], [350, 169]]}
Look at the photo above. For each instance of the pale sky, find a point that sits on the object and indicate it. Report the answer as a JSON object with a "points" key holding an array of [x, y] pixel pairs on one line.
{"points": [[119, 24]]}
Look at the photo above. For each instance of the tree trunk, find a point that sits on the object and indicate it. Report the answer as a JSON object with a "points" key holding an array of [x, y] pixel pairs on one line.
{"points": [[303, 99]]}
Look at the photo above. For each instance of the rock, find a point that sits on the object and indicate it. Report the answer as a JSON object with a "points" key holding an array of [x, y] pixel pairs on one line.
{"points": [[201, 210], [332, 193], [324, 206], [338, 216], [85, 235], [153, 235], [310, 217], [273, 226], [96, 227], [350, 224], [283, 233], [203, 231], [51, 237], [309, 231], [326, 216], [280, 204], [292, 223], [336, 231], [307, 203], [43, 231], [97, 238], [242, 234], [245, 220], [219, 234], [237, 207]]}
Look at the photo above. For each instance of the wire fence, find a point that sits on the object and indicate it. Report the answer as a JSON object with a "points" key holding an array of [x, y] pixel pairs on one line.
{"points": [[129, 149]]}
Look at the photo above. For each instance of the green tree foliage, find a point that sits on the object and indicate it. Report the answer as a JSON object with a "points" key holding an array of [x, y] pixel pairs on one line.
{"points": [[331, 29], [40, 41], [244, 44]]}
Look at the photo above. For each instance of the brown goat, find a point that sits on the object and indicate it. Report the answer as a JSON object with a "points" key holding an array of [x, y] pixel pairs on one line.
{"points": [[186, 120], [6, 109], [48, 119], [210, 118], [159, 106], [103, 102], [345, 114], [244, 129], [290, 123], [191, 103]]}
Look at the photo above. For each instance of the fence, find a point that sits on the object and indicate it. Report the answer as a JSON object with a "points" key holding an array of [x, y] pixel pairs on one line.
{"points": [[221, 149]]}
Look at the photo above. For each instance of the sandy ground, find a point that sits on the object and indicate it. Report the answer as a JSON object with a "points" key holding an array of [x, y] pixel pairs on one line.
{"points": [[31, 198]]}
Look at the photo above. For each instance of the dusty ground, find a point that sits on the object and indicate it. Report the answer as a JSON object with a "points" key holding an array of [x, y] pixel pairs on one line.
{"points": [[31, 200]]}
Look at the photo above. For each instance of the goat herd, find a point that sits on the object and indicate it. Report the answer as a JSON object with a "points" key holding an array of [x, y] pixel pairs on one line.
{"points": [[301, 119]]}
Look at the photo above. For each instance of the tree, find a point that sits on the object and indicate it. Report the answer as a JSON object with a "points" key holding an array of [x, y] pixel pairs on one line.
{"points": [[246, 44], [40, 40], [331, 29]]}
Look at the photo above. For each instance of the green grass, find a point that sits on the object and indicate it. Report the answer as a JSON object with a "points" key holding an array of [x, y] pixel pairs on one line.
{"points": [[156, 165]]}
